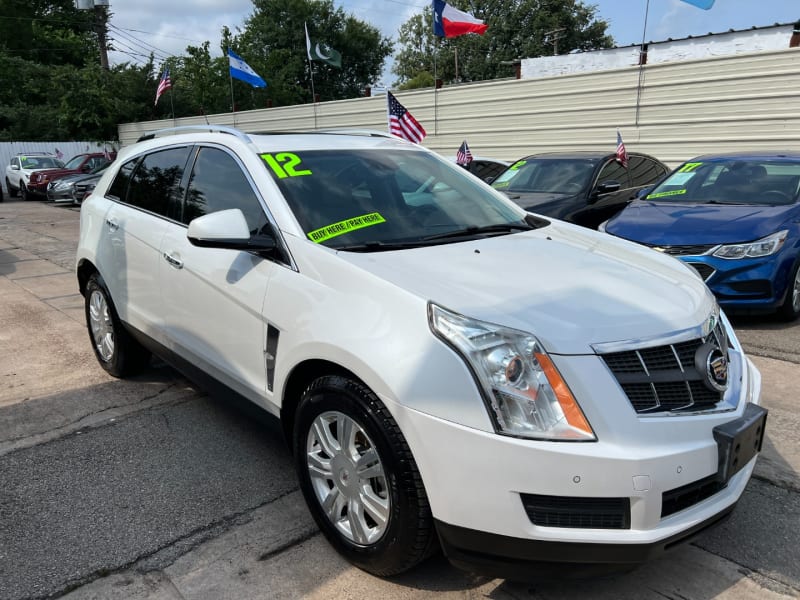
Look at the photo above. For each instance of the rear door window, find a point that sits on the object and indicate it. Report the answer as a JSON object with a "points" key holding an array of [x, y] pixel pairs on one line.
{"points": [[156, 182]]}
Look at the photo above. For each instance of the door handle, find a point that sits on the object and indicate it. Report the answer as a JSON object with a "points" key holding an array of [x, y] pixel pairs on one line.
{"points": [[173, 262], [112, 224]]}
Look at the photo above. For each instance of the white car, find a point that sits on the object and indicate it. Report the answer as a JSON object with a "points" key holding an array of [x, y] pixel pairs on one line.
{"points": [[18, 171], [448, 368]]}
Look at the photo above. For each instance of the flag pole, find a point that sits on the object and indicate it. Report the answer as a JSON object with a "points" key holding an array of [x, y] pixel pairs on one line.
{"points": [[313, 93], [233, 103], [435, 89], [642, 59], [172, 106]]}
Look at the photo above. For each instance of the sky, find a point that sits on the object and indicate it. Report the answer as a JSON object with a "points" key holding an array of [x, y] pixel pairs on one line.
{"points": [[166, 28]]}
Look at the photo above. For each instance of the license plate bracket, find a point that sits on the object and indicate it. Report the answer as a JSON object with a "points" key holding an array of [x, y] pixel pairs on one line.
{"points": [[739, 441]]}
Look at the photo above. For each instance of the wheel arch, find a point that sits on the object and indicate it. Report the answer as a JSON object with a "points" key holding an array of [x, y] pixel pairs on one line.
{"points": [[298, 380], [84, 271]]}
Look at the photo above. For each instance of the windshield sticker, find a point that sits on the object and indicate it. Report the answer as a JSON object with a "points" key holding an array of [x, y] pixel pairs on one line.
{"points": [[689, 167], [284, 164], [346, 226], [517, 165], [663, 194]]}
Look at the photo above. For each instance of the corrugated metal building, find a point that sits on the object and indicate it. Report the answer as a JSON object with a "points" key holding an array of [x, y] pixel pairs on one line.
{"points": [[671, 109]]}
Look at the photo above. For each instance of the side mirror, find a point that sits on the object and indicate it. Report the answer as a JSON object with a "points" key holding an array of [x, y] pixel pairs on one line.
{"points": [[608, 187], [227, 229], [86, 168], [15, 167], [643, 192]]}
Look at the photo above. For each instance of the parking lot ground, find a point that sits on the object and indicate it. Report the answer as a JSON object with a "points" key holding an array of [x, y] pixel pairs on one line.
{"points": [[148, 489]]}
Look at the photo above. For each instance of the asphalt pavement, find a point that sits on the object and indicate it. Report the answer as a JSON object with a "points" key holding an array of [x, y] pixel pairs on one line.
{"points": [[150, 489]]}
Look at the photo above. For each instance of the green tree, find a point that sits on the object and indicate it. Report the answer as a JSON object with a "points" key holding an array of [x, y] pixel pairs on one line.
{"points": [[273, 42], [517, 29]]}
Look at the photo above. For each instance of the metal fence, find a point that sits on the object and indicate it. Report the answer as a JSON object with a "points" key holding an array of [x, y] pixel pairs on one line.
{"points": [[68, 149], [672, 110]]}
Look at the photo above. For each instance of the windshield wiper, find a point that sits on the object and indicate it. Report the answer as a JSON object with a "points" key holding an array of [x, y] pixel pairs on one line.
{"points": [[377, 246], [474, 230]]}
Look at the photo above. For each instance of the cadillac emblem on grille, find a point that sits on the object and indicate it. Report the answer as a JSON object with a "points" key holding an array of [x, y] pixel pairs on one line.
{"points": [[711, 359]]}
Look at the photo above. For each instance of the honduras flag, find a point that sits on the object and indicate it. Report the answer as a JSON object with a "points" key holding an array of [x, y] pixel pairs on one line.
{"points": [[241, 70]]}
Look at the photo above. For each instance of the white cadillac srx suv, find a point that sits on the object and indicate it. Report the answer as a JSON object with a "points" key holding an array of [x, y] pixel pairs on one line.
{"points": [[450, 370]]}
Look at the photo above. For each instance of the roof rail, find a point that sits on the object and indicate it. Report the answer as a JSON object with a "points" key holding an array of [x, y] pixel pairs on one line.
{"points": [[190, 128]]}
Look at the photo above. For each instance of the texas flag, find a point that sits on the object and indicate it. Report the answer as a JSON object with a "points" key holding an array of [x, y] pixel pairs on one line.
{"points": [[451, 22]]}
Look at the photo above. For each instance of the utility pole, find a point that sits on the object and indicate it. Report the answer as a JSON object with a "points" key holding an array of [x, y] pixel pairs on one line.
{"points": [[100, 8], [553, 36]]}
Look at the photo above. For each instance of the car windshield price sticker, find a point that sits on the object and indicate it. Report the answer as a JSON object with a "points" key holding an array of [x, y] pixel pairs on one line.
{"points": [[284, 164], [664, 194], [346, 226]]}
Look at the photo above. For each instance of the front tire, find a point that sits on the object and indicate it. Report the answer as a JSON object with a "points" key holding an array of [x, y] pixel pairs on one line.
{"points": [[790, 309], [115, 349], [23, 191], [359, 478]]}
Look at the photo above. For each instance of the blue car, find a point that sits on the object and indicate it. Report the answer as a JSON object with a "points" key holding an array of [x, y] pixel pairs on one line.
{"points": [[735, 218]]}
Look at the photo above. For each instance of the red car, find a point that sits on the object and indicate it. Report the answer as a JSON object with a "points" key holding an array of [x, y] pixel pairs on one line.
{"points": [[80, 163]]}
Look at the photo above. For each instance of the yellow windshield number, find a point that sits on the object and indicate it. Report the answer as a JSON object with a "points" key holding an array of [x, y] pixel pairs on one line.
{"points": [[284, 164]]}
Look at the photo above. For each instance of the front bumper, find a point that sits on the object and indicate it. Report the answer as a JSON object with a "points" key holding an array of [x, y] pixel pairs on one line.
{"points": [[663, 489], [516, 559], [746, 284]]}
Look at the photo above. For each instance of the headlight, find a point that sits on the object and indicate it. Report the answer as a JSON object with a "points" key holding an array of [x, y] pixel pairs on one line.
{"points": [[763, 247], [526, 395]]}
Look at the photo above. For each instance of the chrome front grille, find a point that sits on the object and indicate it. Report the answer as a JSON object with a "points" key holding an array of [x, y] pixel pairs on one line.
{"points": [[689, 250], [667, 378]]}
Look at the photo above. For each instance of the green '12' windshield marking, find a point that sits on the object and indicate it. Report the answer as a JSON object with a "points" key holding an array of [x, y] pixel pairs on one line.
{"points": [[346, 226], [662, 194], [283, 164]]}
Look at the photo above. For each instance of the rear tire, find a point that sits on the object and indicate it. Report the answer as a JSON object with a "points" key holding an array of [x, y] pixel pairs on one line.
{"points": [[790, 309], [359, 478], [115, 349], [11, 191]]}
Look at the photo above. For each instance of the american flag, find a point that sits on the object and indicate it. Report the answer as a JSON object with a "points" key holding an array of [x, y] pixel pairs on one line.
{"points": [[401, 123], [59, 154], [622, 154], [463, 156], [163, 85]]}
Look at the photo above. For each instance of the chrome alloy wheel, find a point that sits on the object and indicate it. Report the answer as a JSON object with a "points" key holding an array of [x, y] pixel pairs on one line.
{"points": [[348, 478], [795, 291], [101, 325]]}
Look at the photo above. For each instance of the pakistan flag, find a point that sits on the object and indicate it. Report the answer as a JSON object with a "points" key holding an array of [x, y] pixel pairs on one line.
{"points": [[322, 52]]}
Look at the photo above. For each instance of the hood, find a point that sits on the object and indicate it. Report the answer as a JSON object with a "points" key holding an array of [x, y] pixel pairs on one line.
{"points": [[661, 223], [569, 286]]}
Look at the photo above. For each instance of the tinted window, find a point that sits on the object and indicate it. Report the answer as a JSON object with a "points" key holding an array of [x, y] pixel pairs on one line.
{"points": [[118, 190], [155, 185], [486, 168], [645, 171], [218, 183], [614, 171], [547, 175]]}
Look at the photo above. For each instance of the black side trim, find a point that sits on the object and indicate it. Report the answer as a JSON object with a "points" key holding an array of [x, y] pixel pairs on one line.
{"points": [[521, 559], [272, 354]]}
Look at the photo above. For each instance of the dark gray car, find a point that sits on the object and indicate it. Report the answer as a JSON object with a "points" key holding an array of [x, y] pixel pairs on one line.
{"points": [[585, 188]]}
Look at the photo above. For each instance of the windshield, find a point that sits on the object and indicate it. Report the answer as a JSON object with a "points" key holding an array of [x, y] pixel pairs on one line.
{"points": [[75, 162], [763, 182], [40, 162], [386, 198], [547, 175]]}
